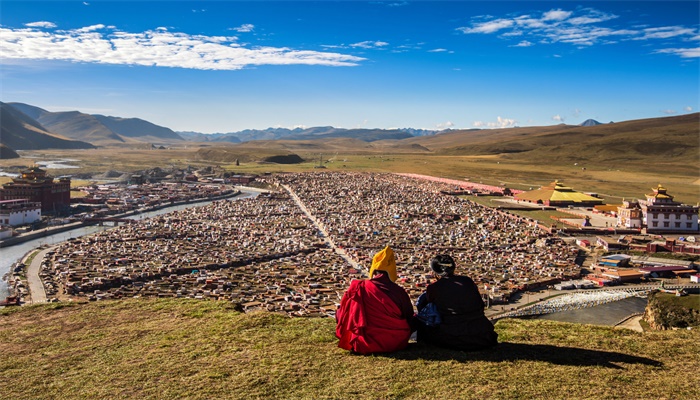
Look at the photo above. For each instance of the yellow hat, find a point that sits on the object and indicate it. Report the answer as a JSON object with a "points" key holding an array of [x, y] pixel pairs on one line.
{"points": [[384, 261]]}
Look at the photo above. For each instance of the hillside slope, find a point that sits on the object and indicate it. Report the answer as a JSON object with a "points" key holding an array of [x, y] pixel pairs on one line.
{"points": [[655, 141], [138, 128], [20, 132], [175, 348], [98, 129], [7, 153], [71, 124]]}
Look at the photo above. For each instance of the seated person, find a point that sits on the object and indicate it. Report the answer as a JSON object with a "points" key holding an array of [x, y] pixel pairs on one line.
{"points": [[463, 325], [375, 314]]}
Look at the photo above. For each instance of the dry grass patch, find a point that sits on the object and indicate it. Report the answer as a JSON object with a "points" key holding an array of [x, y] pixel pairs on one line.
{"points": [[199, 349]]}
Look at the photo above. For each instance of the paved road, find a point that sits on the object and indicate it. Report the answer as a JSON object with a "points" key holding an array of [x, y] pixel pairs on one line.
{"points": [[36, 287], [631, 323]]}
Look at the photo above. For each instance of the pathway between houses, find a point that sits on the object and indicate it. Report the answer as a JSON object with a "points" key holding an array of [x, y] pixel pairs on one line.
{"points": [[321, 227]]}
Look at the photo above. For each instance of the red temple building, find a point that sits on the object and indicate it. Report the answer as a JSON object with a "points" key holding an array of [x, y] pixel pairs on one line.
{"points": [[35, 186]]}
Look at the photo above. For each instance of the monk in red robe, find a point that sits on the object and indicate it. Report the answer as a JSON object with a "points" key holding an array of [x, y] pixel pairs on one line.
{"points": [[376, 314]]}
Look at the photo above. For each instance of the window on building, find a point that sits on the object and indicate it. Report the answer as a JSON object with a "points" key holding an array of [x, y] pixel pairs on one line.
{"points": [[689, 225], [655, 224], [665, 215], [655, 215], [666, 224], [677, 224]]}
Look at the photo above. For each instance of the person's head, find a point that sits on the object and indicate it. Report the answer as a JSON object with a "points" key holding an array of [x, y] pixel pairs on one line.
{"points": [[442, 265], [384, 261]]}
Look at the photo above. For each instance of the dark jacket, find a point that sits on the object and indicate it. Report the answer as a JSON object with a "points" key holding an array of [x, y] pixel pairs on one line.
{"points": [[464, 325]]}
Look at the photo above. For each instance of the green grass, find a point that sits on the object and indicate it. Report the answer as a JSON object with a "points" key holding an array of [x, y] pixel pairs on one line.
{"points": [[155, 349], [632, 181], [543, 216], [691, 301]]}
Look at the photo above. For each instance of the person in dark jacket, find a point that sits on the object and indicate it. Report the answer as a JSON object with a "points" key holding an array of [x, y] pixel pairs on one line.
{"points": [[463, 325]]}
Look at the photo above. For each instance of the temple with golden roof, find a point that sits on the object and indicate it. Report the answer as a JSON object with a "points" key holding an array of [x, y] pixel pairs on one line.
{"points": [[558, 195]]}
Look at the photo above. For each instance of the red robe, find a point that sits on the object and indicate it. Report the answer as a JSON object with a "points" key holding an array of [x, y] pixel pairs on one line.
{"points": [[369, 321]]}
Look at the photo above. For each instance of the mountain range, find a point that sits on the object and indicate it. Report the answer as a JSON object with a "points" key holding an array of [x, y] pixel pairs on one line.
{"points": [[318, 132], [674, 138], [97, 129], [20, 132]]}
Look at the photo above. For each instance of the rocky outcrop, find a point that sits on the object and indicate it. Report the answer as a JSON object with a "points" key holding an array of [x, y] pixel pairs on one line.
{"points": [[667, 311]]}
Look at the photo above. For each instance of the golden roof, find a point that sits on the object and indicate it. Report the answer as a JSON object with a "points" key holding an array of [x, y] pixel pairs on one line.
{"points": [[557, 192]]}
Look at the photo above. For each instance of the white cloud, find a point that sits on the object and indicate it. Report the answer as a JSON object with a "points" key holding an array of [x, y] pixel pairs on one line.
{"points": [[437, 51], [244, 28], [526, 21], [684, 53], [576, 112], [155, 48], [488, 27], [503, 123], [558, 118], [368, 44], [524, 43], [688, 109], [556, 15], [669, 112], [500, 123], [666, 32], [581, 28], [92, 28], [445, 125], [41, 24]]}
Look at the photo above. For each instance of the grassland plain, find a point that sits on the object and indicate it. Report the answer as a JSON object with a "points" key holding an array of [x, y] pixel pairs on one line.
{"points": [[167, 348], [616, 180]]}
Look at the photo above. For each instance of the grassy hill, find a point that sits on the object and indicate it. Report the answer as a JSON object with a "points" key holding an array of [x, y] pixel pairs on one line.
{"points": [[648, 143], [71, 124], [154, 349], [7, 153], [20, 132]]}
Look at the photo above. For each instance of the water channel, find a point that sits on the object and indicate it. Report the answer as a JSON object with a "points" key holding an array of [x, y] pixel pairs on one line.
{"points": [[12, 254]]}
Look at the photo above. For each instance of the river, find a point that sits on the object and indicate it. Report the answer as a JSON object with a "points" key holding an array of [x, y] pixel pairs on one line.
{"points": [[608, 314], [12, 254]]}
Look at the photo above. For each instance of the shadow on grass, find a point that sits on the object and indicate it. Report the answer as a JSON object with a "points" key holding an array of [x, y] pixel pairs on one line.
{"points": [[525, 352]]}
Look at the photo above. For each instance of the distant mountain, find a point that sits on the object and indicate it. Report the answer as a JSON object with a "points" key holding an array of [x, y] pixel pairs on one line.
{"points": [[191, 136], [71, 124], [18, 131], [590, 122], [98, 129], [7, 153], [422, 132], [137, 128], [318, 132]]}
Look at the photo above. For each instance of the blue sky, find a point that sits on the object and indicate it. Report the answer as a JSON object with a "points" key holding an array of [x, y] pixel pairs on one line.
{"points": [[224, 66]]}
